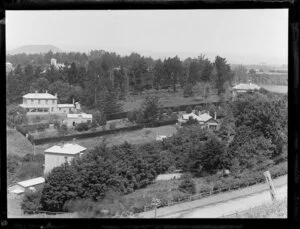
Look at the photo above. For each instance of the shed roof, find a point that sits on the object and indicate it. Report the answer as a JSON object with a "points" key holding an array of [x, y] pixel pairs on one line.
{"points": [[66, 149], [168, 176], [32, 182], [82, 115], [17, 191], [39, 96]]}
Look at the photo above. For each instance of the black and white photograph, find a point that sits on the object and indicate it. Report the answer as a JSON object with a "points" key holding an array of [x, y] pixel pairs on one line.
{"points": [[147, 113]]}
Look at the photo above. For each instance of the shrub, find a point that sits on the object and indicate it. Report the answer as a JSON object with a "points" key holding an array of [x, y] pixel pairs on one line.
{"points": [[187, 185], [131, 115], [56, 124], [82, 126], [31, 201], [112, 125], [63, 130], [94, 125], [189, 110]]}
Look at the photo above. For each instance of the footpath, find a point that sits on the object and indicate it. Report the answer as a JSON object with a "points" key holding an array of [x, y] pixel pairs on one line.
{"points": [[166, 212]]}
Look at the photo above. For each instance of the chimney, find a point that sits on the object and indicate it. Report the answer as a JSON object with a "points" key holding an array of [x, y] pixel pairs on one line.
{"points": [[73, 101], [46, 91], [208, 113], [63, 143], [56, 95], [215, 115], [36, 92], [74, 141]]}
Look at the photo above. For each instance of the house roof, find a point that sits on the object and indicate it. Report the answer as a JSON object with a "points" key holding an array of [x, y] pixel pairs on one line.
{"points": [[65, 105], [82, 115], [168, 176], [39, 96], [244, 86], [201, 118], [32, 182], [66, 149]]}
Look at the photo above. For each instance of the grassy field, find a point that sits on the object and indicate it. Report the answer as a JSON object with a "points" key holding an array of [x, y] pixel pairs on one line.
{"points": [[167, 99], [17, 143]]}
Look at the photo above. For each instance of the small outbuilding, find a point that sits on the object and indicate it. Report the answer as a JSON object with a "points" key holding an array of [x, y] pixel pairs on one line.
{"points": [[59, 154], [27, 185], [74, 119]]}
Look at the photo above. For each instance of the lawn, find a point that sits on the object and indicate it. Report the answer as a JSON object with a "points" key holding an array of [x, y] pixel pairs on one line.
{"points": [[134, 137]]}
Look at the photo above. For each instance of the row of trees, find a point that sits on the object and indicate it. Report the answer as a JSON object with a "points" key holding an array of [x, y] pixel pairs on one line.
{"points": [[101, 79]]}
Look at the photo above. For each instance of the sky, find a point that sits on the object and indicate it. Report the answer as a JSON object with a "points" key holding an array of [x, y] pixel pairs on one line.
{"points": [[259, 34]]}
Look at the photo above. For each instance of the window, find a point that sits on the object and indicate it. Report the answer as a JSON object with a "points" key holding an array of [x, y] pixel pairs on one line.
{"points": [[32, 101], [46, 101], [39, 101], [66, 159]]}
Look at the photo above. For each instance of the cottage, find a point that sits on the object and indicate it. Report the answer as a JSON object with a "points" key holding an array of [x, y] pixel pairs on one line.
{"points": [[242, 88], [204, 119], [58, 155], [27, 185], [74, 119]]}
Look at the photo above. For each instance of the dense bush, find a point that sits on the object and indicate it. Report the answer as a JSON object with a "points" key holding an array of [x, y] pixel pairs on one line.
{"points": [[189, 110], [82, 126], [112, 125]]}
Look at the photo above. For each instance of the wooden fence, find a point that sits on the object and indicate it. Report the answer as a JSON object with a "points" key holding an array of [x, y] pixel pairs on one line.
{"points": [[202, 195]]}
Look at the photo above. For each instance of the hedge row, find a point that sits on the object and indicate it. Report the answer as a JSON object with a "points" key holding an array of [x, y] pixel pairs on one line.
{"points": [[41, 141]]}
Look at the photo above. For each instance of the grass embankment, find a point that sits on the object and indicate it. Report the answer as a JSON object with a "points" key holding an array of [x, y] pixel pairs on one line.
{"points": [[17, 144], [277, 209]]}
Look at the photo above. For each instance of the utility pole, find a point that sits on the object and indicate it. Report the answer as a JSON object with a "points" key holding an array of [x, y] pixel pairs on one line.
{"points": [[271, 185]]}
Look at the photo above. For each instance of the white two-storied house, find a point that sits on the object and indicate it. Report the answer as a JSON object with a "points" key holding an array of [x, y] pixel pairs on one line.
{"points": [[40, 103], [45, 103]]}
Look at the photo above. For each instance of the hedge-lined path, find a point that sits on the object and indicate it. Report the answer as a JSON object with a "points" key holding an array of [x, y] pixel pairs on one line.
{"points": [[183, 208]]}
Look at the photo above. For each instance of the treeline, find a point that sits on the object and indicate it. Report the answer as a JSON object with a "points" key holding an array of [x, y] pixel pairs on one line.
{"points": [[101, 80]]}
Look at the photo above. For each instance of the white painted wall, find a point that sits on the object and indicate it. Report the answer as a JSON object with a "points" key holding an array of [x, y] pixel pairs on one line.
{"points": [[55, 160]]}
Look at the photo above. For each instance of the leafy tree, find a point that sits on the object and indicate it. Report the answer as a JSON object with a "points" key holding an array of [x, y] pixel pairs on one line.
{"points": [[41, 85], [173, 70], [188, 90], [60, 186], [214, 155], [223, 73]]}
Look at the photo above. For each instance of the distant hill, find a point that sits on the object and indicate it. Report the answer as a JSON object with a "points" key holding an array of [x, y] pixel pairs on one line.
{"points": [[34, 49]]}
